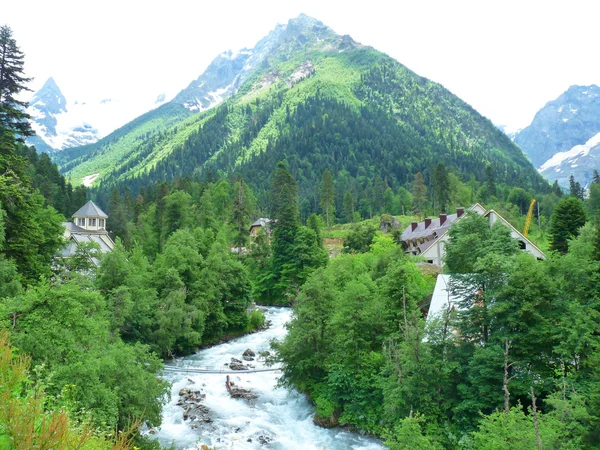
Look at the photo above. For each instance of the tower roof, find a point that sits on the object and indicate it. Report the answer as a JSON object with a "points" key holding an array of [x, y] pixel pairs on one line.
{"points": [[90, 209]]}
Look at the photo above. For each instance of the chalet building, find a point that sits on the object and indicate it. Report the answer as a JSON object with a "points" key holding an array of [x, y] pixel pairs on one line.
{"points": [[89, 225], [428, 238], [260, 224]]}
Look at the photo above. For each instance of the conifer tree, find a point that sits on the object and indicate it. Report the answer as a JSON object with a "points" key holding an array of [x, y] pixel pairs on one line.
{"points": [[348, 207], [284, 201], [441, 185], [419, 193], [328, 197], [491, 183], [240, 212], [575, 189], [13, 119], [568, 218]]}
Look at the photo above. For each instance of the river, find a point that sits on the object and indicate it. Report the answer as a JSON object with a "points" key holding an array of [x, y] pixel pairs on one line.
{"points": [[278, 416]]}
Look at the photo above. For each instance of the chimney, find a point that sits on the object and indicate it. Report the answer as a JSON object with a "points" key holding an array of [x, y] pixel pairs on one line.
{"points": [[427, 222], [413, 226], [460, 212], [442, 219]]}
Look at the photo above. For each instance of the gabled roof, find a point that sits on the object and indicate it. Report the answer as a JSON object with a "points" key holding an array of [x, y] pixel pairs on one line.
{"points": [[90, 209], [262, 222]]}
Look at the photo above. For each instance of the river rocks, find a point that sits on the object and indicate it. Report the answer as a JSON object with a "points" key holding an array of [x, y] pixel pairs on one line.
{"points": [[236, 364], [248, 355], [238, 392], [193, 410]]}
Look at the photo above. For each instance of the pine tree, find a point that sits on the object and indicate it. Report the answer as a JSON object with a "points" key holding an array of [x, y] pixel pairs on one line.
{"points": [[491, 183], [348, 207], [13, 119], [419, 193], [556, 190], [284, 203], [568, 218], [575, 189], [441, 186], [596, 177], [328, 197], [240, 213]]}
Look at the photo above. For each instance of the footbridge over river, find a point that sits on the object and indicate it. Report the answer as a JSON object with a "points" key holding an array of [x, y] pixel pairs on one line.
{"points": [[197, 370]]}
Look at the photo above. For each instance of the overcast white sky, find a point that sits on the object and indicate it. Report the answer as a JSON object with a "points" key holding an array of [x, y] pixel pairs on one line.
{"points": [[506, 58]]}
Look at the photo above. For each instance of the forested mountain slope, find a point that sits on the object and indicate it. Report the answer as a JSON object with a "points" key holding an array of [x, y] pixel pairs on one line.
{"points": [[319, 101]]}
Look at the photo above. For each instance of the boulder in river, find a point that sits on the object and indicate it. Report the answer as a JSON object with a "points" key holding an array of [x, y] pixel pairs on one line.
{"points": [[248, 352], [236, 364], [237, 392]]}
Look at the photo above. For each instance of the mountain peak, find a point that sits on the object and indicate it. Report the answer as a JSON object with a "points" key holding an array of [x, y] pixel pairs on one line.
{"points": [[49, 98]]}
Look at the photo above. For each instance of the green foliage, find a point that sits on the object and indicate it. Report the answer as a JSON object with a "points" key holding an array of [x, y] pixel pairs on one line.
{"points": [[64, 328], [408, 435], [359, 239], [569, 216], [25, 421]]}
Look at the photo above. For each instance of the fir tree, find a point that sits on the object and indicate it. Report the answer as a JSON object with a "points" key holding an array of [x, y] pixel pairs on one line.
{"points": [[348, 207], [284, 202], [328, 197], [568, 218], [13, 119], [419, 194], [491, 183], [441, 186], [240, 213], [575, 189]]}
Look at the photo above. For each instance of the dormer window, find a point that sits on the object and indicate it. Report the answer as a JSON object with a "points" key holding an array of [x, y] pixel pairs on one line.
{"points": [[92, 222], [101, 223], [81, 221]]}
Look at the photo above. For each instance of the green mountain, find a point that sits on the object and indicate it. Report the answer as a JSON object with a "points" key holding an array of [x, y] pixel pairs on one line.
{"points": [[317, 100]]}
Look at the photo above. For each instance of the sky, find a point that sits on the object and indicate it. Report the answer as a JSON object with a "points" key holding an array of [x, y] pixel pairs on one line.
{"points": [[505, 58]]}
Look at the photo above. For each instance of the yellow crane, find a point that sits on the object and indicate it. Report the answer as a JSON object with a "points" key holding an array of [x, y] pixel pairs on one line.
{"points": [[529, 216]]}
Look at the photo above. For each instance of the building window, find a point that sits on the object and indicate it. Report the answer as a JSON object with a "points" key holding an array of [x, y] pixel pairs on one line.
{"points": [[81, 221], [101, 223], [92, 222]]}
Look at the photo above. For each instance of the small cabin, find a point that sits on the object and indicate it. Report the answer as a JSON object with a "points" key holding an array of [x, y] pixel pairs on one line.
{"points": [[260, 224]]}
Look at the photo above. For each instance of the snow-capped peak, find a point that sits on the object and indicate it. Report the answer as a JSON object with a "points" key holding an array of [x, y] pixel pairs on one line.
{"points": [[571, 155]]}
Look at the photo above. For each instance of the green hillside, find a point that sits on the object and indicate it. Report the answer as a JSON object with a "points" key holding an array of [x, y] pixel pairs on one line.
{"points": [[318, 101]]}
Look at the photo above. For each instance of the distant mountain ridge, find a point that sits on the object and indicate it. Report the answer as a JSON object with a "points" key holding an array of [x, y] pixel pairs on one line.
{"points": [[556, 138], [60, 125], [571, 119], [315, 99]]}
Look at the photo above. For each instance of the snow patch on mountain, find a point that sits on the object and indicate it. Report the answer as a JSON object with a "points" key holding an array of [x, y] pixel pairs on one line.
{"points": [[64, 125], [570, 156]]}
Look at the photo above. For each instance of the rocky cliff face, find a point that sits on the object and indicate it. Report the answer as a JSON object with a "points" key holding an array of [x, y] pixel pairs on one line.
{"points": [[572, 119], [228, 71]]}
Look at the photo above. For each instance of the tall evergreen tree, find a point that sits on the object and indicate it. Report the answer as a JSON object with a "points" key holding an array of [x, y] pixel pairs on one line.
{"points": [[441, 188], [240, 212], [491, 183], [575, 189], [556, 190], [568, 218], [596, 177], [13, 118], [328, 197], [419, 193], [284, 203], [348, 207]]}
